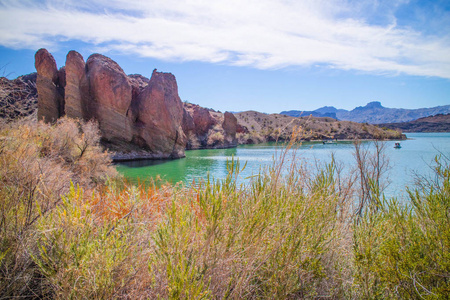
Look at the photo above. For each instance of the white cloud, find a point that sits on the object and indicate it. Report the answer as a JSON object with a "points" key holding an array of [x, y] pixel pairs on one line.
{"points": [[261, 34]]}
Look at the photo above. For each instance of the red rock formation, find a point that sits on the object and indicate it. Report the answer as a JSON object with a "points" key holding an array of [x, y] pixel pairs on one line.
{"points": [[138, 82], [138, 117], [202, 127], [77, 87], [111, 92], [159, 115], [197, 122], [229, 125], [50, 94], [203, 121]]}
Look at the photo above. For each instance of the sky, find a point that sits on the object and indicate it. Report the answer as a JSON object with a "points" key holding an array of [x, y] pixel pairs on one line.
{"points": [[236, 55]]}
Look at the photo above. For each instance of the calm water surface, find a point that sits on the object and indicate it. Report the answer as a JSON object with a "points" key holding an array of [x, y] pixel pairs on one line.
{"points": [[415, 156]]}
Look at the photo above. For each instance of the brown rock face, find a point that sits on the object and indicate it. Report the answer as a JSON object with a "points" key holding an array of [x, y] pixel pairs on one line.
{"points": [[50, 92], [229, 125], [111, 94], [206, 128], [46, 65], [197, 123], [138, 82], [203, 121], [159, 114], [77, 87]]}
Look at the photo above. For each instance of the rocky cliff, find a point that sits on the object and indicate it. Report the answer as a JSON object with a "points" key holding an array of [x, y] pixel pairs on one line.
{"points": [[207, 128], [50, 87], [138, 117]]}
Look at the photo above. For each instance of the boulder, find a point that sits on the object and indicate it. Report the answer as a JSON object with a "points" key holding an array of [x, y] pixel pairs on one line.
{"points": [[50, 93], [158, 112], [138, 83], [110, 93]]}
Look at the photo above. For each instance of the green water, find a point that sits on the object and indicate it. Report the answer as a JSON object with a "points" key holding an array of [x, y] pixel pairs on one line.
{"points": [[415, 156]]}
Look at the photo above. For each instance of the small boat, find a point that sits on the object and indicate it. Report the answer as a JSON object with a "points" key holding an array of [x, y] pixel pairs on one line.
{"points": [[328, 142], [397, 146]]}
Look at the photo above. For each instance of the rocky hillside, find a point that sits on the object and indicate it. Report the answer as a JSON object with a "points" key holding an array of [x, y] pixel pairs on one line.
{"points": [[373, 113], [255, 127], [207, 128], [138, 117], [437, 123], [18, 97]]}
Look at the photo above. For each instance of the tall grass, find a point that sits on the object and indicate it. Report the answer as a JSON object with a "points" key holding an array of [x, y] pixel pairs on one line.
{"points": [[288, 233]]}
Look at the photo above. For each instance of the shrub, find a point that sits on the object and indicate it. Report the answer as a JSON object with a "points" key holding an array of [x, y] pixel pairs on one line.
{"points": [[402, 250], [37, 163], [215, 138]]}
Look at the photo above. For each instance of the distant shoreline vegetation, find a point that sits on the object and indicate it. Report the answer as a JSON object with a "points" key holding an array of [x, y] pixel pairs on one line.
{"points": [[71, 228]]}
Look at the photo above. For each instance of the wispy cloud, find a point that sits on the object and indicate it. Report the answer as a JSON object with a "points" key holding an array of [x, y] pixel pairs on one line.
{"points": [[257, 33]]}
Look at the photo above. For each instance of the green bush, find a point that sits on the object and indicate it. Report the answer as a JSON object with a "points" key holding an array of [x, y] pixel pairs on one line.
{"points": [[402, 250]]}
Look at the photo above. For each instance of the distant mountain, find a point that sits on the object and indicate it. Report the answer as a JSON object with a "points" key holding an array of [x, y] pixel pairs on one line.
{"points": [[437, 123], [314, 113], [373, 113]]}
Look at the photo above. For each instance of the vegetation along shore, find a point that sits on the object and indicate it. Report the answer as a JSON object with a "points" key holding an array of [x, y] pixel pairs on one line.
{"points": [[70, 228]]}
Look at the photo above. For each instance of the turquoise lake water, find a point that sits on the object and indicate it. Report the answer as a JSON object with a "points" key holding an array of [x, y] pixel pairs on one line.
{"points": [[415, 156]]}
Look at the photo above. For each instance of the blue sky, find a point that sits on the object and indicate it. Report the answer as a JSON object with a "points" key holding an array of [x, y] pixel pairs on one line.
{"points": [[265, 55]]}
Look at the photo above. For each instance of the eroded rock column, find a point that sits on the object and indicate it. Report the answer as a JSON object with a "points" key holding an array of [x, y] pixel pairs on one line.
{"points": [[50, 87]]}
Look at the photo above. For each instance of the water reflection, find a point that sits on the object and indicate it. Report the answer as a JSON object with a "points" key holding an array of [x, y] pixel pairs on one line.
{"points": [[197, 164]]}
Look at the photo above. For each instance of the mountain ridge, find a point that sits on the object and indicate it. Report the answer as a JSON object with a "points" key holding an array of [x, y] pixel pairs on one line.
{"points": [[373, 113]]}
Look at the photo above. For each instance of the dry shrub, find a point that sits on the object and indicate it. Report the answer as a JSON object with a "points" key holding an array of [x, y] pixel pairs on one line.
{"points": [[215, 136], [37, 163]]}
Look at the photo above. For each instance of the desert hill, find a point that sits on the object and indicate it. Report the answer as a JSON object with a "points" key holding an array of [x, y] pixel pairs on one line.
{"points": [[256, 127], [437, 123]]}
